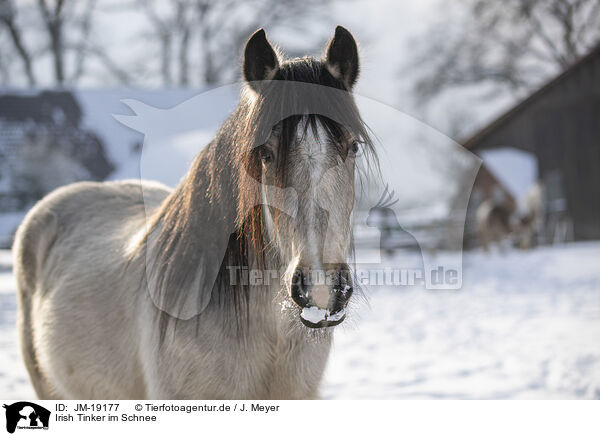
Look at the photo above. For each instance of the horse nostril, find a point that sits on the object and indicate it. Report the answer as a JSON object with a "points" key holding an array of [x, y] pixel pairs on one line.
{"points": [[343, 290], [332, 297], [345, 281], [347, 292], [341, 298], [299, 292]]}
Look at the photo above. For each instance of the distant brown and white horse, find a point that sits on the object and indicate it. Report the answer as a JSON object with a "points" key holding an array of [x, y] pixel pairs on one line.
{"points": [[498, 220], [129, 290], [493, 219], [530, 219]]}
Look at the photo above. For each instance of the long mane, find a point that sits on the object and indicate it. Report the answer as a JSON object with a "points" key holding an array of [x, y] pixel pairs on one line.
{"points": [[217, 193]]}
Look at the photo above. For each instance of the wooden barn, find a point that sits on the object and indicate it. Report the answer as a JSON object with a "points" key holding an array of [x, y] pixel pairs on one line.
{"points": [[560, 126]]}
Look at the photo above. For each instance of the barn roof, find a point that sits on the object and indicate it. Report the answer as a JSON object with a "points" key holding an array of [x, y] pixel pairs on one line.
{"points": [[482, 135]]}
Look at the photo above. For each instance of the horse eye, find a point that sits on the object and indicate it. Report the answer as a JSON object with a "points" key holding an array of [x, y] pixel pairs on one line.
{"points": [[355, 147], [265, 154]]}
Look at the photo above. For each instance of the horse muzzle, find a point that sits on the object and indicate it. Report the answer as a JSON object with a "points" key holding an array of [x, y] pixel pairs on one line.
{"points": [[322, 297]]}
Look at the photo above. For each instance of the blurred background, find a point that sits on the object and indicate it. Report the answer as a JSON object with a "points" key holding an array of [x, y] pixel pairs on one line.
{"points": [[516, 83]]}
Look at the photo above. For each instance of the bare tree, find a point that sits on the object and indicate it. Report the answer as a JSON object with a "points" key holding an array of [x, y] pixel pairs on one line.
{"points": [[53, 19], [226, 25], [65, 29], [82, 49], [215, 30], [511, 43], [185, 22], [197, 41], [163, 27], [8, 19], [59, 16]]}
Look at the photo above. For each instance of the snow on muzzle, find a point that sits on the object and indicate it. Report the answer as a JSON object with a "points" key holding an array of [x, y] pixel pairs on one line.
{"points": [[322, 294]]}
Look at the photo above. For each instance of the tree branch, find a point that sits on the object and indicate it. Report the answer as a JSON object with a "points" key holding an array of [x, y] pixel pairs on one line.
{"points": [[8, 18]]}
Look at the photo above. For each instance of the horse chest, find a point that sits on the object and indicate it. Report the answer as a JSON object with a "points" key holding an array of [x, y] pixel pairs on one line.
{"points": [[280, 366]]}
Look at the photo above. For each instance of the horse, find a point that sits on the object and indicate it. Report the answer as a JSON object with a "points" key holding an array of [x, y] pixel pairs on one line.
{"points": [[124, 291], [498, 219], [530, 217], [494, 220]]}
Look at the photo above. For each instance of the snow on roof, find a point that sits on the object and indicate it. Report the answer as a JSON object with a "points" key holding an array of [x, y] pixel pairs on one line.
{"points": [[515, 169]]}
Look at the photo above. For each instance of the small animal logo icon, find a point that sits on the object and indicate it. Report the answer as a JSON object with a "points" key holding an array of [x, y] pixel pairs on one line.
{"points": [[26, 415]]}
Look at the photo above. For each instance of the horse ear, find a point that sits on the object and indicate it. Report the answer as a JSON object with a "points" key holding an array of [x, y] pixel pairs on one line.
{"points": [[260, 59], [341, 57]]}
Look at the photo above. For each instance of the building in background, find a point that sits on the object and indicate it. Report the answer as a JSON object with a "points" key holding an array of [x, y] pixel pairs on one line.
{"points": [[43, 146], [559, 125]]}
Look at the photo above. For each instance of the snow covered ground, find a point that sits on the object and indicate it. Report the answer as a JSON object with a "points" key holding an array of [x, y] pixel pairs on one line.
{"points": [[14, 381], [525, 325]]}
